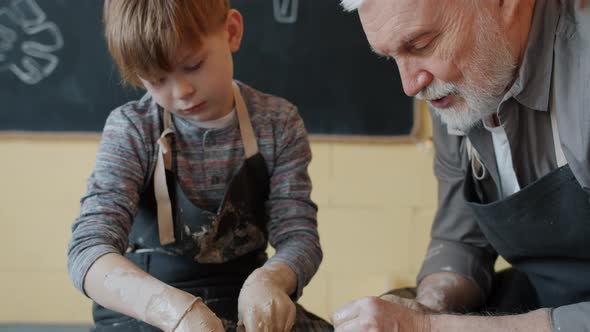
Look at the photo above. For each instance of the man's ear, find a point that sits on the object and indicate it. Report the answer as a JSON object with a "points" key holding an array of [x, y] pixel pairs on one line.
{"points": [[235, 28]]}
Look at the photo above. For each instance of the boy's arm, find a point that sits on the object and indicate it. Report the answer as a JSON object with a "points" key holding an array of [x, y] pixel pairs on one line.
{"points": [[116, 283], [293, 215], [113, 192], [266, 299], [100, 233]]}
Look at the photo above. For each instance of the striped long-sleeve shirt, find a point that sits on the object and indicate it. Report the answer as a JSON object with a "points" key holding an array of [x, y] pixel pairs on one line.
{"points": [[205, 161]]}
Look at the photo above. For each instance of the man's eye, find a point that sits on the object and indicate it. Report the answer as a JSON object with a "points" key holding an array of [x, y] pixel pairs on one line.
{"points": [[422, 46]]}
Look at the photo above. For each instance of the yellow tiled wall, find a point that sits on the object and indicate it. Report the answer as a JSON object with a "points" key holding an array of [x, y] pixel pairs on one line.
{"points": [[376, 203]]}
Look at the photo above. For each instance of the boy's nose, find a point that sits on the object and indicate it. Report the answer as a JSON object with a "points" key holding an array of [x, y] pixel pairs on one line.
{"points": [[182, 89]]}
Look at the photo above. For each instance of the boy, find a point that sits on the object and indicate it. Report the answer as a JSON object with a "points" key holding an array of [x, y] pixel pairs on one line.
{"points": [[191, 182]]}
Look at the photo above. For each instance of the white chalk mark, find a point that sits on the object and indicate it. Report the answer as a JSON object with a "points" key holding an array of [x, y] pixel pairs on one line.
{"points": [[286, 11], [33, 61]]}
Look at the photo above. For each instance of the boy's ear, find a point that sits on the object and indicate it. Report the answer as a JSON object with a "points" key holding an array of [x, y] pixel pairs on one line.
{"points": [[235, 29]]}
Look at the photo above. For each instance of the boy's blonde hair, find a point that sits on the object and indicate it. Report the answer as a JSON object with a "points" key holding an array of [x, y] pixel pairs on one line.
{"points": [[143, 35]]}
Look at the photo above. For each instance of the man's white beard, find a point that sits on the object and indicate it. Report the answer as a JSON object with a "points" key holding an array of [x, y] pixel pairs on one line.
{"points": [[492, 68]]}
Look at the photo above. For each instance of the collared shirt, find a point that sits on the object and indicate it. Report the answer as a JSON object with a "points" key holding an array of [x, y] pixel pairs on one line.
{"points": [[206, 159], [457, 243]]}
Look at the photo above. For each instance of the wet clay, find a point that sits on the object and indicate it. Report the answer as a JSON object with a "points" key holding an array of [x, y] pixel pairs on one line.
{"points": [[433, 295]]}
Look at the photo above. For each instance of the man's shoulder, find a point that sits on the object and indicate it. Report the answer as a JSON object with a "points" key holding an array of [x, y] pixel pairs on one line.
{"points": [[576, 19]]}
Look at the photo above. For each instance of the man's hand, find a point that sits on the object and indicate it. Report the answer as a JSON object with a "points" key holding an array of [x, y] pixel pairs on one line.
{"points": [[408, 303], [264, 303], [377, 315]]}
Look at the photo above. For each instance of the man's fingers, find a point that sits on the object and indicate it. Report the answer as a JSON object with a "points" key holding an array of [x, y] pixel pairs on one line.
{"points": [[393, 299], [346, 313], [408, 303], [352, 325]]}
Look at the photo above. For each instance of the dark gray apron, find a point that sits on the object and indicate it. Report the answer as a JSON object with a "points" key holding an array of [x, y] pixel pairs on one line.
{"points": [[213, 251], [543, 231]]}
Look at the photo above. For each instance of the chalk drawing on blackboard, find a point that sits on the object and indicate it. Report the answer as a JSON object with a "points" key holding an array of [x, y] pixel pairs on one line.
{"points": [[27, 41], [286, 11]]}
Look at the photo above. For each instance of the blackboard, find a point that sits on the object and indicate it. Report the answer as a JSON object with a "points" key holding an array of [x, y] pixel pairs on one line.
{"points": [[56, 75]]}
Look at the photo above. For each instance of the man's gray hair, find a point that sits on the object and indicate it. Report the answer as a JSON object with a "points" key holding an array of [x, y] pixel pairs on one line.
{"points": [[350, 5]]}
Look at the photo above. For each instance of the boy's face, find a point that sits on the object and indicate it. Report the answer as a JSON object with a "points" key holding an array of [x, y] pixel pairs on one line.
{"points": [[199, 87]]}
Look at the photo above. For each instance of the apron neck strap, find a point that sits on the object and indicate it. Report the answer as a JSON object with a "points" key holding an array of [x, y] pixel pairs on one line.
{"points": [[559, 156], [248, 137], [164, 162]]}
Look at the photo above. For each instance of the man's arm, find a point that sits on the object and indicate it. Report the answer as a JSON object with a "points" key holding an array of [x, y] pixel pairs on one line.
{"points": [[375, 314], [456, 274], [449, 292], [538, 321]]}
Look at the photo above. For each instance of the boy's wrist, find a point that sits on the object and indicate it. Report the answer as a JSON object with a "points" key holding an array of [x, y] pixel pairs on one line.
{"points": [[279, 274], [167, 309]]}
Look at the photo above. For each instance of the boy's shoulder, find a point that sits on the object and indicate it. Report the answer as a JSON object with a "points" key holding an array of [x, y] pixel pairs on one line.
{"points": [[146, 105], [141, 109], [262, 103], [141, 115]]}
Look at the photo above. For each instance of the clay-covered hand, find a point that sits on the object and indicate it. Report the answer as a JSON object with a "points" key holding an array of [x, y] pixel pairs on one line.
{"points": [[199, 318], [264, 304]]}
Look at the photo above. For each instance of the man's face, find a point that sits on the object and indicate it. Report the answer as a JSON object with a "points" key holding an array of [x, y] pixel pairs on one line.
{"points": [[451, 53]]}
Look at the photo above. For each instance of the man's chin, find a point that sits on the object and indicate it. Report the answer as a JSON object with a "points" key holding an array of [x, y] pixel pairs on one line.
{"points": [[458, 119]]}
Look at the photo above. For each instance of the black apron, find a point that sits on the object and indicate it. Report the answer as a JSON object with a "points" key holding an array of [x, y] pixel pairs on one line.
{"points": [[543, 231], [210, 254]]}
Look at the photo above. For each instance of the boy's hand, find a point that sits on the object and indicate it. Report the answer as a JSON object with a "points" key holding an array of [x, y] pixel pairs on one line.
{"points": [[199, 318], [264, 303]]}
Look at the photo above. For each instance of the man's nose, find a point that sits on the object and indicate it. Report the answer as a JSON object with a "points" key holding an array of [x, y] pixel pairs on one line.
{"points": [[413, 79]]}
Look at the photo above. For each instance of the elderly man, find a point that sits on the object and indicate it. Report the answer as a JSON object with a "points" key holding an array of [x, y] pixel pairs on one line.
{"points": [[509, 84]]}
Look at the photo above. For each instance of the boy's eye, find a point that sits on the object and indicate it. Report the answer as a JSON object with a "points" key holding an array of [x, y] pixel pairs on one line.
{"points": [[194, 67], [158, 81]]}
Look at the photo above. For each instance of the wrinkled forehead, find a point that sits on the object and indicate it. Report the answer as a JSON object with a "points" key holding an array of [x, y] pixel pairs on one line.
{"points": [[392, 22]]}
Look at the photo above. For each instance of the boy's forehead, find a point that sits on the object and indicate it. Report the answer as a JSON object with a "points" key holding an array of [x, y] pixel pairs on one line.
{"points": [[173, 59], [185, 53]]}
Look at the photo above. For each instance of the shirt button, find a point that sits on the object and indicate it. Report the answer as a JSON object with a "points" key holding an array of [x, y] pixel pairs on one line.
{"points": [[215, 180]]}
